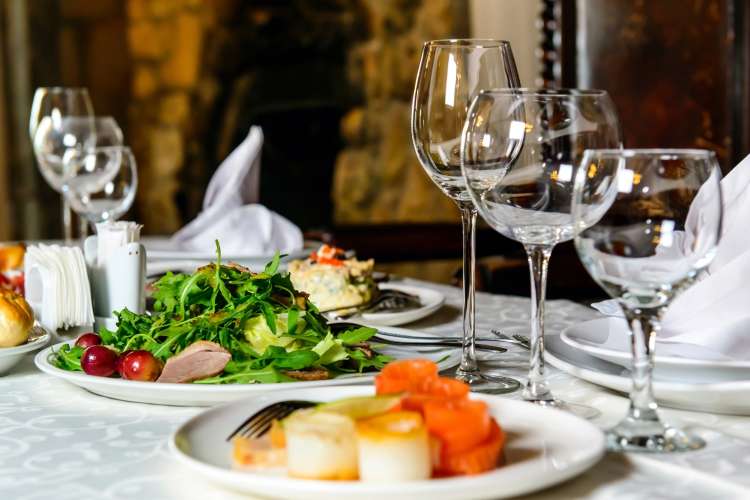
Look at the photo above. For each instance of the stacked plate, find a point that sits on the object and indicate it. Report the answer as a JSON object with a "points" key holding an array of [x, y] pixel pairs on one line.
{"points": [[598, 351]]}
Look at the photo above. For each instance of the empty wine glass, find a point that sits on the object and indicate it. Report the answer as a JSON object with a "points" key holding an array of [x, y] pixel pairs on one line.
{"points": [[649, 222], [519, 153], [60, 118], [102, 183], [451, 73]]}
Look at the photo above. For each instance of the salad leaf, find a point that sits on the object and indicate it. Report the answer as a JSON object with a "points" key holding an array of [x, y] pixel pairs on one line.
{"points": [[361, 334]]}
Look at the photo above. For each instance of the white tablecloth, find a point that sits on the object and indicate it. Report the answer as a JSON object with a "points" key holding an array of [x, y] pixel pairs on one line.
{"points": [[60, 442]]}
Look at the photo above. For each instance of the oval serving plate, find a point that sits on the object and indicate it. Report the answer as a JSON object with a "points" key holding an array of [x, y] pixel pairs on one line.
{"points": [[209, 395], [544, 447]]}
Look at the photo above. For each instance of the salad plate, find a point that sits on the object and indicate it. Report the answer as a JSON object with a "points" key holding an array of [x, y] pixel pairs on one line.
{"points": [[608, 339], [11, 356], [545, 447], [430, 300], [192, 394], [711, 394]]}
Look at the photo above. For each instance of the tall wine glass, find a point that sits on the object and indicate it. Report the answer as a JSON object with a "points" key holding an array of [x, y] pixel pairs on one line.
{"points": [[519, 151], [451, 73], [60, 118], [649, 222], [102, 184]]}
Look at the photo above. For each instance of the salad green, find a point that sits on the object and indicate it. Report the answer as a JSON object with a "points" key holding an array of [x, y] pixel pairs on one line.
{"points": [[268, 327]]}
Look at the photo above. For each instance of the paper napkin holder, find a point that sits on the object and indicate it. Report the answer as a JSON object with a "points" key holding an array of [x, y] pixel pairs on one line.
{"points": [[120, 282]]}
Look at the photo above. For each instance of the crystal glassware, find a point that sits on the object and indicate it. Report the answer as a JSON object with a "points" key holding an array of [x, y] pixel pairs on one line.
{"points": [[648, 222], [102, 183], [451, 73], [60, 118], [519, 152]]}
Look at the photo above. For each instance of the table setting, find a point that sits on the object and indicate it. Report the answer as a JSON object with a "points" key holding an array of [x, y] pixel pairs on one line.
{"points": [[236, 359]]}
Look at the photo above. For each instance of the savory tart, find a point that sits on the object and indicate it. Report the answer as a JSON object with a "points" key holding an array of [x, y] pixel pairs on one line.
{"points": [[333, 280]]}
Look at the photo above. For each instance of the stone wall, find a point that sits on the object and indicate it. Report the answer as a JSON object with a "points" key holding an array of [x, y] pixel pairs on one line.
{"points": [[165, 39], [183, 88], [377, 176]]}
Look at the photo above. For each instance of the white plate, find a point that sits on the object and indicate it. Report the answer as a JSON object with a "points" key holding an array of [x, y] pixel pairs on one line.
{"points": [[431, 301], [208, 395], [544, 447], [11, 356], [607, 339], [717, 397]]}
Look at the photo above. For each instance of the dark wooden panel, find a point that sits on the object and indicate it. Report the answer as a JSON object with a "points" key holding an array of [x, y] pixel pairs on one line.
{"points": [[676, 69]]}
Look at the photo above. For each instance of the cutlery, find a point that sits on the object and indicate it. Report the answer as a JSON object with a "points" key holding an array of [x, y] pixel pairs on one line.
{"points": [[515, 338], [387, 300], [434, 343], [454, 339], [391, 339], [260, 422]]}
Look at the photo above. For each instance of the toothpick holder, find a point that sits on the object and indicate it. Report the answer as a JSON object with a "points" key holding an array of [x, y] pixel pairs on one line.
{"points": [[118, 283]]}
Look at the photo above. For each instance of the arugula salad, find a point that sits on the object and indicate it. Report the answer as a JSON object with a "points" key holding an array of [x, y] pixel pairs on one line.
{"points": [[236, 325]]}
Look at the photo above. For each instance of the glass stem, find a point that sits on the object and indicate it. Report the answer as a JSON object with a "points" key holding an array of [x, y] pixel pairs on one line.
{"points": [[644, 323], [468, 365], [67, 220], [536, 386], [83, 228]]}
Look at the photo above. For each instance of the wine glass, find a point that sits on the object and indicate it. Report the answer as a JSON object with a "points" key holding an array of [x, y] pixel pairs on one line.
{"points": [[106, 132], [102, 182], [451, 73], [649, 222], [519, 153], [64, 116]]}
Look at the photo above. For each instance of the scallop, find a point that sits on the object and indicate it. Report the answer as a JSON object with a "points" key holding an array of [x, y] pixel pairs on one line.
{"points": [[393, 447], [321, 445]]}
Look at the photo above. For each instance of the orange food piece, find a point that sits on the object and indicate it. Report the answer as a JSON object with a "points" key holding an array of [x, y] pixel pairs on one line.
{"points": [[412, 370], [459, 424], [277, 436], [476, 460]]}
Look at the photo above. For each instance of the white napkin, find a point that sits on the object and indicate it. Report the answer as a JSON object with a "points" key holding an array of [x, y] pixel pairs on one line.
{"points": [[113, 235], [57, 286], [231, 213], [714, 313]]}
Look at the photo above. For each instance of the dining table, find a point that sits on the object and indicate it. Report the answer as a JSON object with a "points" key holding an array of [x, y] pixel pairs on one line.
{"points": [[58, 441]]}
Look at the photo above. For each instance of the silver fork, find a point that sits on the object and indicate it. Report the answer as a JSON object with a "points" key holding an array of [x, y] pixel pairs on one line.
{"points": [[259, 423], [515, 338]]}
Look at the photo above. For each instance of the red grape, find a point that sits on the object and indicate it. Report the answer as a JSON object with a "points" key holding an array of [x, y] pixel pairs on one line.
{"points": [[99, 360], [140, 365], [88, 339], [118, 363]]}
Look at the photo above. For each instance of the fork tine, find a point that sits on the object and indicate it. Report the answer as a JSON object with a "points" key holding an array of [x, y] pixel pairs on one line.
{"points": [[279, 409], [261, 425], [251, 419]]}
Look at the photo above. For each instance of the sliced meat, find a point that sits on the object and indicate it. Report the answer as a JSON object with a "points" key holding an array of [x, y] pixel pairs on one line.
{"points": [[199, 360], [308, 374]]}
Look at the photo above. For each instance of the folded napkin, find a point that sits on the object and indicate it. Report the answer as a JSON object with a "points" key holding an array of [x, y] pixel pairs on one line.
{"points": [[231, 212], [57, 286], [714, 313]]}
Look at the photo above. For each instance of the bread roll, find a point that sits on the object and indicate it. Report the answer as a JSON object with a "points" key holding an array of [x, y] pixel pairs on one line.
{"points": [[16, 319]]}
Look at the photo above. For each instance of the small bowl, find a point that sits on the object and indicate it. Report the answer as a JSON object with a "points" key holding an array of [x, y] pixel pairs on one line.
{"points": [[11, 356]]}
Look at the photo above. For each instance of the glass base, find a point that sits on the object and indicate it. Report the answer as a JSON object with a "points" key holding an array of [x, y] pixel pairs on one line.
{"points": [[488, 384], [650, 437], [581, 411]]}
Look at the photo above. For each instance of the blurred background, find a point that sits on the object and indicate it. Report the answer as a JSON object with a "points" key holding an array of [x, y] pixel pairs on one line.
{"points": [[330, 83]]}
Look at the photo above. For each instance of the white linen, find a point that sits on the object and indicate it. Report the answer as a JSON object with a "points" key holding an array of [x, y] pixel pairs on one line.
{"points": [[714, 313], [231, 213]]}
